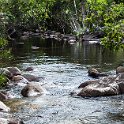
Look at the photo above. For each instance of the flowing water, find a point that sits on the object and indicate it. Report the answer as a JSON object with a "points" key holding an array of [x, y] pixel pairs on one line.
{"points": [[64, 66]]}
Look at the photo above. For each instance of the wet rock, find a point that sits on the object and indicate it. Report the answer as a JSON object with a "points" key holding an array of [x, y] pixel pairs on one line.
{"points": [[93, 72], [103, 87], [5, 95], [2, 96], [121, 86], [3, 121], [120, 81], [17, 78], [32, 89], [7, 73], [14, 70], [88, 82], [30, 77], [92, 91], [120, 76], [29, 69], [3, 107], [119, 69]]}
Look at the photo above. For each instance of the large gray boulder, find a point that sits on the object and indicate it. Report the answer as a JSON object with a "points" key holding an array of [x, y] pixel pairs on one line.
{"points": [[32, 89], [103, 87], [95, 90]]}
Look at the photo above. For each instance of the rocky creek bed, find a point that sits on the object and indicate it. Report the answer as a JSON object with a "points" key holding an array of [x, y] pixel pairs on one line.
{"points": [[61, 76]]}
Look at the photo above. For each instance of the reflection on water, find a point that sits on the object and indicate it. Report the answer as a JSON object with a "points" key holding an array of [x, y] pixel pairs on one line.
{"points": [[63, 67], [79, 53]]}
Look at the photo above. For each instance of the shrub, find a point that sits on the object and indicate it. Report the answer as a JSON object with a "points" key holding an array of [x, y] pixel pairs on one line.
{"points": [[3, 80]]}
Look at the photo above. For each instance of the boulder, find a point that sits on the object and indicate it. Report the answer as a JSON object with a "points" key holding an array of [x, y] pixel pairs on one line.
{"points": [[32, 89], [120, 69], [120, 81], [86, 83], [5, 95], [93, 72], [17, 78], [14, 70], [31, 77], [3, 107], [103, 87], [120, 76], [7, 73], [95, 92]]}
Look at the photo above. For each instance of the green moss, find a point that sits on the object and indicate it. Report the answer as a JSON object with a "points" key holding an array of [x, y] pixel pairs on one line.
{"points": [[3, 80]]}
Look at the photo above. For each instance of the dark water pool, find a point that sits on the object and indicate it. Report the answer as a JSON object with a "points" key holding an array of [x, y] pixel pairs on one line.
{"points": [[64, 66]]}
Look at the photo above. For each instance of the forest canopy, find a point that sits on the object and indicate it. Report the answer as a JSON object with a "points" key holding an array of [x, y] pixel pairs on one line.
{"points": [[103, 18]]}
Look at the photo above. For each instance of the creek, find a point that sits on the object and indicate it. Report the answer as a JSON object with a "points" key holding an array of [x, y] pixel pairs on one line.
{"points": [[64, 67]]}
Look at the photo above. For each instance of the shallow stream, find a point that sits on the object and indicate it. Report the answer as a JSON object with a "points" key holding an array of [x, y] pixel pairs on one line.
{"points": [[64, 66]]}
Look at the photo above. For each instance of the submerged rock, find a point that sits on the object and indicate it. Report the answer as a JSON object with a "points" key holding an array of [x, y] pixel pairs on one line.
{"points": [[32, 89], [29, 69]]}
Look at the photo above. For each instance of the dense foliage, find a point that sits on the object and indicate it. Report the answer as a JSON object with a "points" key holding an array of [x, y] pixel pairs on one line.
{"points": [[4, 55], [107, 18], [3, 80], [99, 17]]}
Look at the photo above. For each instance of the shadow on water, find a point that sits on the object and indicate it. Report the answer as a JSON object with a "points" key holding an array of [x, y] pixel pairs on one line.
{"points": [[63, 67]]}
